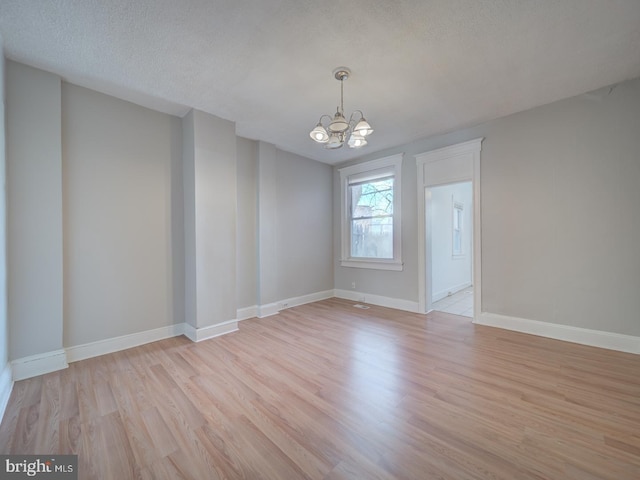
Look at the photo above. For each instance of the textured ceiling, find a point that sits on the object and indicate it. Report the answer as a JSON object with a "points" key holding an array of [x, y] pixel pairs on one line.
{"points": [[420, 67]]}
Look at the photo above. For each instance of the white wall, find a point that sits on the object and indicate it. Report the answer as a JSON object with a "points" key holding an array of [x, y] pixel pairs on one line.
{"points": [[34, 202], [450, 273], [118, 160], [560, 222]]}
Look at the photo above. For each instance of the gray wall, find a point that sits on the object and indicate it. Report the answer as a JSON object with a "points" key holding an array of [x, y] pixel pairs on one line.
{"points": [[560, 223], [34, 217], [118, 205], [110, 179], [246, 222], [209, 159], [294, 225], [4, 327], [304, 226], [189, 217], [267, 258]]}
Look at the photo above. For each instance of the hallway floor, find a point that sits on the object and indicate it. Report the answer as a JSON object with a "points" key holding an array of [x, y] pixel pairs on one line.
{"points": [[460, 303]]}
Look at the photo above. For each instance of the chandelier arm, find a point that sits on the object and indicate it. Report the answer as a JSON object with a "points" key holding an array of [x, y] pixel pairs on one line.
{"points": [[358, 111], [351, 119]]}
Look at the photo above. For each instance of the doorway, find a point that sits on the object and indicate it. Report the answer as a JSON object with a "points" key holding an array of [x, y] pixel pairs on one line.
{"points": [[446, 167], [450, 207]]}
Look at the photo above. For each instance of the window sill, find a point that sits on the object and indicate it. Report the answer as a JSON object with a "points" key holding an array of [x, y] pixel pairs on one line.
{"points": [[393, 265]]}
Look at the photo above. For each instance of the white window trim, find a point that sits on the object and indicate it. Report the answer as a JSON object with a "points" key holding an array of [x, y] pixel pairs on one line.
{"points": [[394, 163]]}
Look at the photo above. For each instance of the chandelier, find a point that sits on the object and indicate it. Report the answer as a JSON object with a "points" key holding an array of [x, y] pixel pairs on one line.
{"points": [[339, 130]]}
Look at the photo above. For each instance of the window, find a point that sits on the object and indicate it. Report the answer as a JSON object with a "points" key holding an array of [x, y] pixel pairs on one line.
{"points": [[371, 218], [370, 209], [457, 229]]}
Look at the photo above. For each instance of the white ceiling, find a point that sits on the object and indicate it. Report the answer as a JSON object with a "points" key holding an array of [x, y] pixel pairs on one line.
{"points": [[419, 67]]}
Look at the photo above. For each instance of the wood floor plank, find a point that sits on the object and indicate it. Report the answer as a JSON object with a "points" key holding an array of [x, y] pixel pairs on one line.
{"points": [[49, 415], [325, 391], [117, 459], [163, 469], [69, 407], [69, 442], [163, 441]]}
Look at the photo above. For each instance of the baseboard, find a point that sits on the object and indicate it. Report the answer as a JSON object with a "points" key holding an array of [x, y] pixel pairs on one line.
{"points": [[397, 303], [40, 364], [199, 334], [304, 299], [6, 385], [445, 293], [583, 336], [247, 312], [50, 362], [273, 308], [267, 310], [110, 345]]}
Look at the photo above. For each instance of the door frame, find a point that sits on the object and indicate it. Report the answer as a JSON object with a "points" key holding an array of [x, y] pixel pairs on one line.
{"points": [[452, 164]]}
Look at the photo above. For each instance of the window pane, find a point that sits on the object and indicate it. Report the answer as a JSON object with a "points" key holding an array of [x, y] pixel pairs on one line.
{"points": [[372, 237], [372, 198], [457, 228], [457, 242]]}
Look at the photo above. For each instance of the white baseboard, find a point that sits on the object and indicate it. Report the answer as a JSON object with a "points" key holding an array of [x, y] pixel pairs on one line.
{"points": [[273, 308], [35, 365], [40, 364], [267, 310], [199, 334], [110, 345], [304, 299], [247, 312], [397, 303], [453, 290], [584, 336], [6, 385]]}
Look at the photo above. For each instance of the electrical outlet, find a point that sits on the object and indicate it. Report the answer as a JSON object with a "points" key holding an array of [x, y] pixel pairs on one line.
{"points": [[353, 285]]}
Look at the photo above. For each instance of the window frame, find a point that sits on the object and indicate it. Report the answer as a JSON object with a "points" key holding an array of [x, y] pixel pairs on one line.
{"points": [[457, 214], [382, 167]]}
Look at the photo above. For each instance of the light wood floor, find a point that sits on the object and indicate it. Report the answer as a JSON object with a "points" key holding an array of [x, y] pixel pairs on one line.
{"points": [[327, 391]]}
